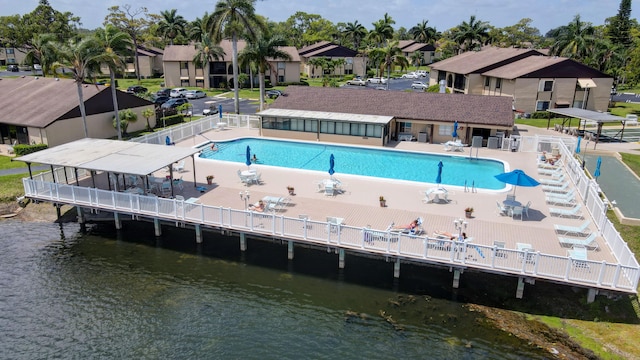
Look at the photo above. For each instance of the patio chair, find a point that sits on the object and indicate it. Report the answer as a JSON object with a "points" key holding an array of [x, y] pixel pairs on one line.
{"points": [[501, 209], [255, 179], [499, 249], [525, 209], [566, 212], [179, 183], [576, 230], [304, 218], [511, 197], [166, 188], [179, 167], [334, 223], [244, 179], [517, 211], [551, 188], [329, 190]]}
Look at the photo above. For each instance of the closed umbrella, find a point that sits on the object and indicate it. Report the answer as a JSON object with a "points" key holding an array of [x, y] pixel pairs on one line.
{"points": [[248, 161], [517, 177], [596, 173], [220, 111], [439, 177], [455, 130], [578, 146], [332, 163]]}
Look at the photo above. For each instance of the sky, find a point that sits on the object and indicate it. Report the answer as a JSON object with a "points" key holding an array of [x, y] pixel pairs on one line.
{"points": [[441, 14]]}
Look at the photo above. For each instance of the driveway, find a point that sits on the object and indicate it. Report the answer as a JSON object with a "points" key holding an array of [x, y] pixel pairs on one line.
{"points": [[246, 106]]}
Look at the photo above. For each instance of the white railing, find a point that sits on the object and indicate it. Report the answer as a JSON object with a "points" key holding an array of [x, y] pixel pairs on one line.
{"points": [[620, 277], [193, 128]]}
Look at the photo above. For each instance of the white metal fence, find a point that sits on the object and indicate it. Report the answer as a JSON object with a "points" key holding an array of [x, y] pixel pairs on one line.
{"points": [[193, 128], [620, 277]]}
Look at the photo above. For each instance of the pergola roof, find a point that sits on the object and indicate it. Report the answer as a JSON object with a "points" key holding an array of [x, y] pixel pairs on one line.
{"points": [[121, 157], [583, 114], [326, 115]]}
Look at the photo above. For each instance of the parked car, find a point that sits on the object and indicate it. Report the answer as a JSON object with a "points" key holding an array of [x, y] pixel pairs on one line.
{"points": [[377, 80], [410, 75], [272, 94], [177, 92], [211, 110], [423, 73], [174, 103], [195, 94], [159, 100], [419, 85], [358, 82], [136, 89], [37, 67], [13, 68], [164, 92]]}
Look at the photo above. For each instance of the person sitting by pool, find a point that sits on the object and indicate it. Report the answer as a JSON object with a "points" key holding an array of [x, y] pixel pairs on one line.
{"points": [[254, 159], [214, 147], [259, 206], [411, 226]]}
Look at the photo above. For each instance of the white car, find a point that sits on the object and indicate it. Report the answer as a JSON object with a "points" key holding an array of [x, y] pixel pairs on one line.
{"points": [[410, 75], [423, 73], [177, 92], [419, 85], [377, 80], [358, 82], [195, 94]]}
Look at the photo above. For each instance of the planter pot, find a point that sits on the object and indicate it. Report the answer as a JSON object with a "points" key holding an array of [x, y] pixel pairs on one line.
{"points": [[383, 203], [291, 191], [467, 214], [209, 181]]}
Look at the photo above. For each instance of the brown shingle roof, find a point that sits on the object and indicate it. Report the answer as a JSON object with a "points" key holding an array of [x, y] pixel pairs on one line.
{"points": [[313, 47], [477, 109], [38, 102], [524, 66], [473, 61]]}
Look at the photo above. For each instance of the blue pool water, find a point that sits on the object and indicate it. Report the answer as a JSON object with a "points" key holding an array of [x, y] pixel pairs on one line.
{"points": [[382, 163]]}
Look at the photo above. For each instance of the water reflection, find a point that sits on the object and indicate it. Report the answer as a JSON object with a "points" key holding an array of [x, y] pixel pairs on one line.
{"points": [[110, 294]]}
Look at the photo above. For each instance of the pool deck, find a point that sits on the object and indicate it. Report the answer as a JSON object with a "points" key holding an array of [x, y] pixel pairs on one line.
{"points": [[359, 204]]}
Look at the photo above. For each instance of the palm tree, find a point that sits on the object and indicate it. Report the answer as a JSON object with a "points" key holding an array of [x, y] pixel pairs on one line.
{"points": [[199, 27], [574, 40], [423, 33], [230, 19], [41, 50], [471, 34], [322, 63], [83, 58], [206, 51], [390, 55], [417, 58], [127, 116], [381, 32], [147, 113], [115, 45], [259, 52], [171, 25], [356, 32]]}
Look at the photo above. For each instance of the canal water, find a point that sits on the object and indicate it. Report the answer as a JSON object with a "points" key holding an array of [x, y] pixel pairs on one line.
{"points": [[103, 294]]}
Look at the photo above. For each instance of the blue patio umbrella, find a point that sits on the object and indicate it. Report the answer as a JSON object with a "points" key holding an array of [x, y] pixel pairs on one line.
{"points": [[332, 163], [455, 130], [220, 111], [578, 146], [439, 177], [596, 173], [517, 177], [248, 161]]}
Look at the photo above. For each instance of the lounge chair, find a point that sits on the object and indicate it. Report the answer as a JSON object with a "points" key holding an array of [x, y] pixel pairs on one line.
{"points": [[547, 166], [553, 182], [551, 172], [551, 188], [588, 242], [576, 230], [566, 212], [569, 201]]}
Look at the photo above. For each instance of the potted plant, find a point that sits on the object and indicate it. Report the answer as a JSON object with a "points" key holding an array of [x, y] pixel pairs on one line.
{"points": [[468, 212], [210, 179], [383, 201], [291, 189]]}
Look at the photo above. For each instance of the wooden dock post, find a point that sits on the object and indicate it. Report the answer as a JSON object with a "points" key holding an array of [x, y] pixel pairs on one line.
{"points": [[341, 259], [456, 278], [243, 241], [290, 250], [116, 219], [156, 227], [396, 269], [78, 211], [520, 289], [198, 234], [591, 295]]}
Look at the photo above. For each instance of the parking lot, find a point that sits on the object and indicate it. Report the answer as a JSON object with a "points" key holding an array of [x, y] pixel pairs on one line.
{"points": [[394, 85]]}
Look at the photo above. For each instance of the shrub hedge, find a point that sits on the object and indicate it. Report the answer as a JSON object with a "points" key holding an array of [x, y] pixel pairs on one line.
{"points": [[24, 149]]}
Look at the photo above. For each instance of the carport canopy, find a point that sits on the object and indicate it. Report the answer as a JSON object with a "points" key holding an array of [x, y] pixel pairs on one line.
{"points": [[589, 115], [120, 157]]}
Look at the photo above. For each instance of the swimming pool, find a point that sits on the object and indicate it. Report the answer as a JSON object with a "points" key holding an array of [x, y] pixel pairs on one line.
{"points": [[382, 163]]}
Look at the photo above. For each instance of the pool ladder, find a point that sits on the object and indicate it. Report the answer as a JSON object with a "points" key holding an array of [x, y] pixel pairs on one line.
{"points": [[471, 189]]}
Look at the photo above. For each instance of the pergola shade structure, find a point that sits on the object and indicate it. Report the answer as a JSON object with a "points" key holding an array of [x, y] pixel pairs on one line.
{"points": [[588, 115]]}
